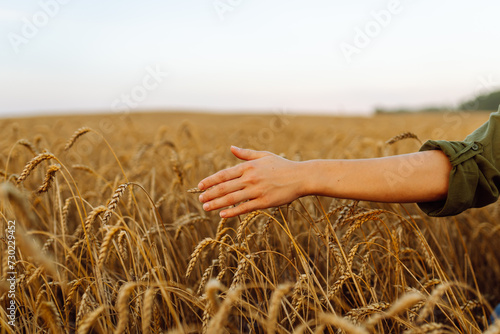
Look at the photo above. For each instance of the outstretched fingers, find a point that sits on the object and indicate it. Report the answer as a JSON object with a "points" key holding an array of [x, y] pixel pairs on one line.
{"points": [[229, 199], [220, 190], [241, 209], [220, 177]]}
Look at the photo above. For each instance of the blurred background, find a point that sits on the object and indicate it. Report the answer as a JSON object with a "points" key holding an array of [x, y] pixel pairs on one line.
{"points": [[316, 56]]}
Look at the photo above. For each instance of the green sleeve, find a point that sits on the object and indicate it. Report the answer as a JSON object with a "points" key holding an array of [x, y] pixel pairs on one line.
{"points": [[475, 175]]}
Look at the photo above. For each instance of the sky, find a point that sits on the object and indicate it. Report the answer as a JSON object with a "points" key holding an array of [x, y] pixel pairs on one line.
{"points": [[316, 56]]}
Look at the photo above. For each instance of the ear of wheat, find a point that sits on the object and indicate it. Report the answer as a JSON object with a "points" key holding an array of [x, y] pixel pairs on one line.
{"points": [[78, 133], [402, 136], [49, 178], [117, 195], [32, 164]]}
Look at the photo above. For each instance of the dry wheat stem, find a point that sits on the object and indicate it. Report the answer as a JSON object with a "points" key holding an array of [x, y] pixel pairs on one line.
{"points": [[49, 178], [404, 135], [51, 316], [32, 164], [245, 223], [432, 301], [195, 191], [494, 328], [211, 289], [218, 322], [341, 323], [206, 276], [274, 306], [122, 306], [92, 217], [196, 253], [83, 308], [113, 203], [223, 252], [220, 228], [402, 304], [26, 143], [147, 310], [106, 244], [122, 245], [430, 328], [78, 133], [74, 288], [89, 320]]}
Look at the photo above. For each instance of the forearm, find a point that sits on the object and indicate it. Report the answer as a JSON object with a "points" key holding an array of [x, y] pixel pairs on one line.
{"points": [[416, 177]]}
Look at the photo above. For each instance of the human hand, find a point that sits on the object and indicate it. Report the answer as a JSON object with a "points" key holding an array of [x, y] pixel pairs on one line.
{"points": [[264, 180]]}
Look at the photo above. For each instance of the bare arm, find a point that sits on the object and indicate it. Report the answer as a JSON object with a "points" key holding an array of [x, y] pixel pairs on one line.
{"points": [[267, 180]]}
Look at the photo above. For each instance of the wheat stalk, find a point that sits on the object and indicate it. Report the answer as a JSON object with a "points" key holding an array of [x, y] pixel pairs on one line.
{"points": [[78, 133], [196, 253], [147, 313], [93, 216], [432, 301], [216, 325], [494, 328], [113, 203], [49, 178], [245, 223], [89, 320], [122, 245], [122, 306], [402, 304], [357, 314], [359, 220], [84, 305], [32, 164], [297, 297], [206, 276], [342, 323], [51, 316], [433, 328], [274, 306], [106, 244], [195, 191], [402, 136], [241, 272], [223, 251], [26, 143], [74, 288]]}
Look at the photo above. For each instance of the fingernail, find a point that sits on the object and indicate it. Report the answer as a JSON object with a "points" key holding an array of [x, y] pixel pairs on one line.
{"points": [[236, 147], [200, 198], [223, 214], [200, 185], [205, 206]]}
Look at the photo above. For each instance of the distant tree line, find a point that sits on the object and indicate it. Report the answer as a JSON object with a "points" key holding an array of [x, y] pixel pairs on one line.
{"points": [[484, 102]]}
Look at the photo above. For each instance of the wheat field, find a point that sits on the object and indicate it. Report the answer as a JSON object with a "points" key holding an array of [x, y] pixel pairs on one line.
{"points": [[109, 236]]}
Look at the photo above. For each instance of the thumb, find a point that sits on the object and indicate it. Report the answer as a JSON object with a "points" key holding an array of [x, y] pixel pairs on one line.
{"points": [[246, 154]]}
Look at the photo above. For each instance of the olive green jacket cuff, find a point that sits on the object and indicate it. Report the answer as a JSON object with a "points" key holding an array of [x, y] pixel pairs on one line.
{"points": [[475, 177]]}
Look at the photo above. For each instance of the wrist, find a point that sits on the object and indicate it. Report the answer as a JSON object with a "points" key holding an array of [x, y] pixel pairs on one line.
{"points": [[310, 178], [324, 178]]}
